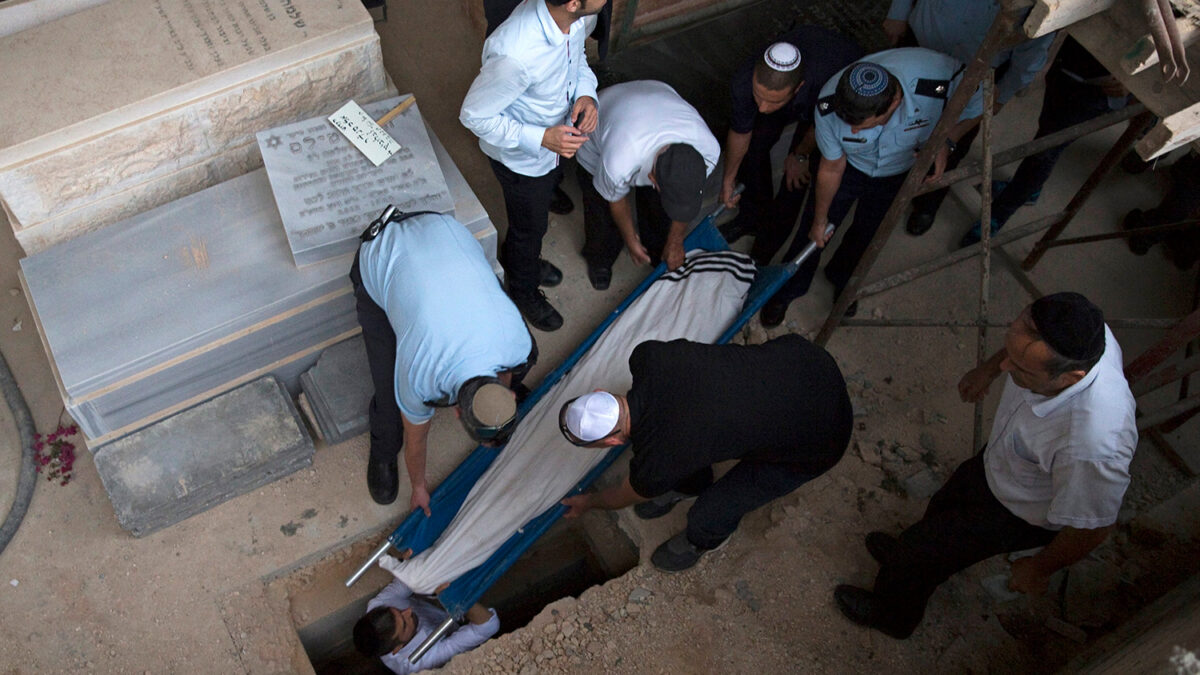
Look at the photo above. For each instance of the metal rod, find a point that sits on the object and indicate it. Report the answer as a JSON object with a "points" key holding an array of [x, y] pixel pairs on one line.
{"points": [[1181, 333], [1005, 236], [999, 34], [1014, 268], [432, 640], [1113, 157], [985, 260], [970, 171], [1124, 324], [370, 561], [1157, 229], [1168, 413], [1166, 375]]}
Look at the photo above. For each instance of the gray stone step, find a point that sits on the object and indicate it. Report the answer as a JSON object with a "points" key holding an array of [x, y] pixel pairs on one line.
{"points": [[203, 456], [339, 390]]}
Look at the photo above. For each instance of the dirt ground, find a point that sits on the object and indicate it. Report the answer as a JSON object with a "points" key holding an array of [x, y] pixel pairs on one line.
{"points": [[215, 594]]}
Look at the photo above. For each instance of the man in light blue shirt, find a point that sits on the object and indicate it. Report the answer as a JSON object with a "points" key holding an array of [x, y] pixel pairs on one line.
{"points": [[871, 120], [957, 28], [439, 331], [533, 103]]}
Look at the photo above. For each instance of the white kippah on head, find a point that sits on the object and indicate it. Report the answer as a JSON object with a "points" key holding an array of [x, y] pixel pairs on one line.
{"points": [[593, 416], [782, 56]]}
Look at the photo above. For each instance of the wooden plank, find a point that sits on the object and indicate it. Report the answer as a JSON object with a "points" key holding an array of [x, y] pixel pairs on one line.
{"points": [[1051, 15], [1107, 37], [1143, 54]]}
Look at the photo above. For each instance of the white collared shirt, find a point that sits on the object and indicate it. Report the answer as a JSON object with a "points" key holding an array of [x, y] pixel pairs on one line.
{"points": [[532, 75], [1063, 461], [637, 119], [429, 616]]}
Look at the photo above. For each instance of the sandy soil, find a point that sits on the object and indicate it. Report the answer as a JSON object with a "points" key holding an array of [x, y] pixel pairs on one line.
{"points": [[79, 594]]}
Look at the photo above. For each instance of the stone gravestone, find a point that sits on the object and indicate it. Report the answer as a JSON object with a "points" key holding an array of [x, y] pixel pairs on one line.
{"points": [[125, 106], [327, 190]]}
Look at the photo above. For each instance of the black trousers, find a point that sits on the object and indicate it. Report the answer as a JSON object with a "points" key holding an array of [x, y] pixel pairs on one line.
{"points": [[386, 422], [602, 241], [769, 214], [874, 197], [527, 203], [748, 485], [963, 524], [1067, 103]]}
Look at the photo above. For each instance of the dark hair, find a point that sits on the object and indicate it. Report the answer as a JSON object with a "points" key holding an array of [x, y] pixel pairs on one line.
{"points": [[1058, 364], [559, 3], [374, 633], [855, 108], [777, 80]]}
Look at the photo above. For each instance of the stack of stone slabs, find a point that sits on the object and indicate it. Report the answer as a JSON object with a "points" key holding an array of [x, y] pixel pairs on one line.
{"points": [[171, 307], [326, 188], [130, 104], [204, 456], [339, 390]]}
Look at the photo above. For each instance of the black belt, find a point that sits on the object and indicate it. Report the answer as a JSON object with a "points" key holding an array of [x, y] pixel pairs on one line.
{"points": [[390, 215]]}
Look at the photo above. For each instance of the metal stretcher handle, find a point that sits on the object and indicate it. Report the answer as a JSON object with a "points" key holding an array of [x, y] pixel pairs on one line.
{"points": [[808, 250], [370, 561], [432, 640]]}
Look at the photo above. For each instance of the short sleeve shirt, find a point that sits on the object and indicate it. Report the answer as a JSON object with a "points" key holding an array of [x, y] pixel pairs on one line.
{"points": [[451, 318], [429, 617], [637, 119], [823, 53], [890, 149], [692, 405], [1063, 461]]}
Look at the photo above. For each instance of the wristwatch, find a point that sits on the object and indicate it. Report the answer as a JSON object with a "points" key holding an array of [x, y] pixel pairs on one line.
{"points": [[951, 144], [800, 156]]}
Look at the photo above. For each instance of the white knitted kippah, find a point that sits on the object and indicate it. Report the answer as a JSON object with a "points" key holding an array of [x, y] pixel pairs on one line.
{"points": [[782, 56]]}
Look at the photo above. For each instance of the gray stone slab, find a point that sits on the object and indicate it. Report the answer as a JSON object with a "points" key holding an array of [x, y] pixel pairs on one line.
{"points": [[339, 389], [327, 191], [204, 456]]}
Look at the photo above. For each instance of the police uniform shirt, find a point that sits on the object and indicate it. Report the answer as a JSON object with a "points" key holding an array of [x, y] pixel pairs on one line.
{"points": [[532, 75], [822, 52], [957, 29], [927, 80], [1063, 461], [451, 318], [637, 119]]}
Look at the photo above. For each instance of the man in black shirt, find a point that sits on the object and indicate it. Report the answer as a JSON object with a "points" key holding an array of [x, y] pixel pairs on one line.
{"points": [[777, 87], [779, 408]]}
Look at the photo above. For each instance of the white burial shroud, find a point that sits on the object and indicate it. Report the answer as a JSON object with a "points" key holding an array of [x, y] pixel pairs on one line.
{"points": [[538, 466]]}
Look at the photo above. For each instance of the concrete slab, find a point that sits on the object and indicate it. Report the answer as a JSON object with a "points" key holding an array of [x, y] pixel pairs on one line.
{"points": [[339, 390], [188, 463]]}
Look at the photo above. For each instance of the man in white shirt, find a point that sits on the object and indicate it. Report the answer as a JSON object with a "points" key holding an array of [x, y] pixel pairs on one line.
{"points": [[396, 623], [1053, 473], [655, 145], [533, 103]]}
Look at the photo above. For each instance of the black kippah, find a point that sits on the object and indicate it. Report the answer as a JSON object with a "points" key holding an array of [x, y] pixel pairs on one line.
{"points": [[1070, 324]]}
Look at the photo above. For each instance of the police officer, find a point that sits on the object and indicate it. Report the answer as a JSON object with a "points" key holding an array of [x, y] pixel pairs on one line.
{"points": [[652, 147], [872, 119], [439, 332], [958, 28], [769, 92]]}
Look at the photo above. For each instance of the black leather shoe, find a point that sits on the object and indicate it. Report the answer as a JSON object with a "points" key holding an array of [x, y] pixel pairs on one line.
{"points": [[734, 230], [859, 605], [600, 276], [548, 275], [383, 481], [919, 223], [678, 554], [538, 311], [772, 313], [560, 203], [883, 547]]}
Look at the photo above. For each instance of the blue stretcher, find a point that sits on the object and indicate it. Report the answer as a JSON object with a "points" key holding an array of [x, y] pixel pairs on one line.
{"points": [[418, 531]]}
